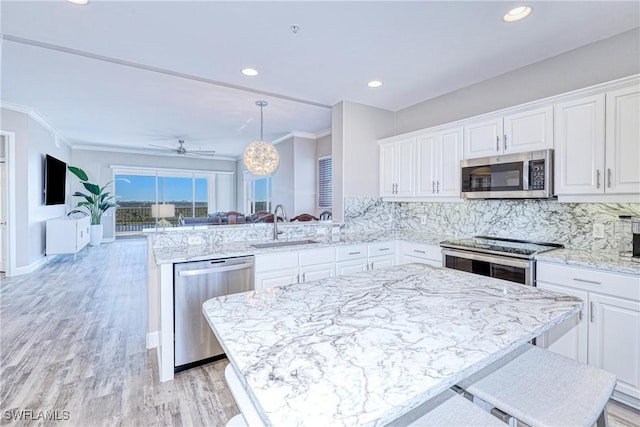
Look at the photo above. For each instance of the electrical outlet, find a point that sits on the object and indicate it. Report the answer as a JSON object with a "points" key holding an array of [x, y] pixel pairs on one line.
{"points": [[598, 231], [423, 220], [194, 240]]}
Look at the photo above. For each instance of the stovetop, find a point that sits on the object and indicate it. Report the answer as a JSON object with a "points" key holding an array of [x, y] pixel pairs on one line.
{"points": [[499, 245]]}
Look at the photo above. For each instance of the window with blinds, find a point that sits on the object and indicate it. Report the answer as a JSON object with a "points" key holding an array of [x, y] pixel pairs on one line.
{"points": [[324, 182]]}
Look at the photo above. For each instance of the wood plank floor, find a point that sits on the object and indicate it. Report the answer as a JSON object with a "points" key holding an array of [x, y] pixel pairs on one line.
{"points": [[72, 338]]}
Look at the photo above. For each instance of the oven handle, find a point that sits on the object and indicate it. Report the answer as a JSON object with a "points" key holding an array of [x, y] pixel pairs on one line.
{"points": [[496, 259]]}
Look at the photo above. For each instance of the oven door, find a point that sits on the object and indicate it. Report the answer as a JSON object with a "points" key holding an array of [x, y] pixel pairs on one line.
{"points": [[505, 268]]}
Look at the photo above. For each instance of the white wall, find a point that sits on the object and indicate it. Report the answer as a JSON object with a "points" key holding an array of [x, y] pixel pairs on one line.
{"points": [[32, 142], [599, 62], [283, 179], [97, 164], [305, 188], [337, 160]]}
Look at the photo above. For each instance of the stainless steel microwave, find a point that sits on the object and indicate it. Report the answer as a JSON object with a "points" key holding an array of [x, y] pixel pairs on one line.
{"points": [[511, 176]]}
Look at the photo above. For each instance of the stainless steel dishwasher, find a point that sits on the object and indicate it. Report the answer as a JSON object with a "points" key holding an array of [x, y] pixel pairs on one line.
{"points": [[194, 283]]}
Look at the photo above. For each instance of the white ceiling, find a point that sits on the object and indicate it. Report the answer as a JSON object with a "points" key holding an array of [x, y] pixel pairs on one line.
{"points": [[130, 74]]}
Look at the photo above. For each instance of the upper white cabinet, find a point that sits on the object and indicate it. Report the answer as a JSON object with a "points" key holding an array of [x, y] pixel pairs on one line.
{"points": [[579, 153], [397, 168], [438, 163], [598, 144], [521, 131], [622, 149]]}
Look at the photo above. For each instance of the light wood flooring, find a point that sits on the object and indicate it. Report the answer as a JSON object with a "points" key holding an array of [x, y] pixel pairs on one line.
{"points": [[72, 338]]}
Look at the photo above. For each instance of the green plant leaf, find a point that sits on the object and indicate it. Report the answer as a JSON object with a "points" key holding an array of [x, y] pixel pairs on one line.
{"points": [[93, 188], [82, 175]]}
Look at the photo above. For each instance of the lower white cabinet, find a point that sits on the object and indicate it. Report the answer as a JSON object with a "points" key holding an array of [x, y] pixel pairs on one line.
{"points": [[310, 273], [607, 332], [67, 236], [421, 253], [281, 277], [352, 266], [382, 261]]}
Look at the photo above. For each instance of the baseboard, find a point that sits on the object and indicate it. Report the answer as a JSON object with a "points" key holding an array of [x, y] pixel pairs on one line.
{"points": [[153, 339], [19, 271], [626, 399]]}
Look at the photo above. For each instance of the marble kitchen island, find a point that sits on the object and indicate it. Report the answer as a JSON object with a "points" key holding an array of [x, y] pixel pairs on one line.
{"points": [[368, 348]]}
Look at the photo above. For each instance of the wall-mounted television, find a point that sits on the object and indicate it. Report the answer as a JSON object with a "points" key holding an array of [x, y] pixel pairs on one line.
{"points": [[55, 181]]}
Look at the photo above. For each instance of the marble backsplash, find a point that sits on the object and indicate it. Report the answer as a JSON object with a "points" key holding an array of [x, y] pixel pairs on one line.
{"points": [[214, 236], [540, 220]]}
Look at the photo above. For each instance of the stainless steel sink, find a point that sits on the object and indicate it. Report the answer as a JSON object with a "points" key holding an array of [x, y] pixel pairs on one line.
{"points": [[283, 243]]}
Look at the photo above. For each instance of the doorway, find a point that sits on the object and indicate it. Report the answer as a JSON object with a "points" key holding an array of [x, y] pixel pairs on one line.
{"points": [[7, 203]]}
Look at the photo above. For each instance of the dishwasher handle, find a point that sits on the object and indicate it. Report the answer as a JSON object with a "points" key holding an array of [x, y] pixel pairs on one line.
{"points": [[203, 271]]}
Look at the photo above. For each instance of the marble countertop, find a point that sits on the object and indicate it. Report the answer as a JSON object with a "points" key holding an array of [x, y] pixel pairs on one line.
{"points": [[367, 348], [605, 261], [172, 254]]}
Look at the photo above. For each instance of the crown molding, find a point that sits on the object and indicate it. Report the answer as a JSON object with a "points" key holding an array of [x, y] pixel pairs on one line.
{"points": [[38, 118]]}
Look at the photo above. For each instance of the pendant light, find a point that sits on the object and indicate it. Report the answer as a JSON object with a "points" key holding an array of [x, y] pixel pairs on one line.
{"points": [[261, 157]]}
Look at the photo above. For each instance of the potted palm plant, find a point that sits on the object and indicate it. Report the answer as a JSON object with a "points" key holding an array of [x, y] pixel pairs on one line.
{"points": [[96, 202]]}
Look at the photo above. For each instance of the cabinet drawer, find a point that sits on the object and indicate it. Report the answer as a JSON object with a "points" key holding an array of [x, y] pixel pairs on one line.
{"points": [[621, 285], [351, 252], [317, 256], [382, 248], [276, 261], [421, 250]]}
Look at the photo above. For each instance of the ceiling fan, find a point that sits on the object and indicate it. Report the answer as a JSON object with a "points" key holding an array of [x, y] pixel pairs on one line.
{"points": [[180, 150]]}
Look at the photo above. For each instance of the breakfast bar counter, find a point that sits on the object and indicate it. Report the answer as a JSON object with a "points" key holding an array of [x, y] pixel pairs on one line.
{"points": [[368, 348]]}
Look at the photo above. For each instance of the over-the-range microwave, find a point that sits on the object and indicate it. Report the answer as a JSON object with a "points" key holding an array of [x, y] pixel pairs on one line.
{"points": [[512, 176]]}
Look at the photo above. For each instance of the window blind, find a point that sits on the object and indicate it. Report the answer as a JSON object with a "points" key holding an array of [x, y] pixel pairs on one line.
{"points": [[325, 193]]}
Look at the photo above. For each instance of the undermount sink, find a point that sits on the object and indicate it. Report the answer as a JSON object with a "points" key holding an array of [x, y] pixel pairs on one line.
{"points": [[284, 243]]}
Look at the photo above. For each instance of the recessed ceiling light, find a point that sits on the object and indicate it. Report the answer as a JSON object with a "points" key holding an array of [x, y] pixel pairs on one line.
{"points": [[517, 14], [375, 83], [80, 2], [251, 72]]}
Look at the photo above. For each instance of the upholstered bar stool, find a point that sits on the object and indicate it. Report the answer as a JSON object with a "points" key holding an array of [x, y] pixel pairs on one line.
{"points": [[541, 388], [447, 409]]}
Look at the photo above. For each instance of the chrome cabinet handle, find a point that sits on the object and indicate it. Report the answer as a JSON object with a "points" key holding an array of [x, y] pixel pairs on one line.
{"points": [[497, 143], [580, 316], [304, 279], [591, 315], [433, 186], [354, 253], [609, 177], [384, 249], [504, 143], [593, 282], [437, 186], [419, 251], [597, 178]]}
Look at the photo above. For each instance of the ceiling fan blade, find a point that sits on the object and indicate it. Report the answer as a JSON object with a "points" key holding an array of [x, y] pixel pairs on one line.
{"points": [[205, 152], [164, 148]]}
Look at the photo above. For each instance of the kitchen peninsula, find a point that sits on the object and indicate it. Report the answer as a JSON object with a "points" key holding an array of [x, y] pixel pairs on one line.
{"points": [[367, 348]]}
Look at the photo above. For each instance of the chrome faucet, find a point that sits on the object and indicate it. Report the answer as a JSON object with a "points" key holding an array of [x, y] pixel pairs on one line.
{"points": [[275, 220]]}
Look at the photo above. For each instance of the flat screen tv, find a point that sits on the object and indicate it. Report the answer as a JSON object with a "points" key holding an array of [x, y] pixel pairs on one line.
{"points": [[55, 181]]}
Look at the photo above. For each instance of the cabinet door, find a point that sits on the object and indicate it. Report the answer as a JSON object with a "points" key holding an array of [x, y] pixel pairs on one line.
{"points": [[449, 154], [270, 279], [623, 141], [528, 131], [317, 272], [382, 261], [351, 267], [388, 169], [426, 154], [406, 168], [614, 340], [569, 338], [579, 141], [483, 139]]}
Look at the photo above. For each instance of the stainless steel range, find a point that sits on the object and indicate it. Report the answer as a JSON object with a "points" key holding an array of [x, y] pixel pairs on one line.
{"points": [[507, 259]]}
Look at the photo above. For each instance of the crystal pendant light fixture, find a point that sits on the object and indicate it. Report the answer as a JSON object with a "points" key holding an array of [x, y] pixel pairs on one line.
{"points": [[261, 157]]}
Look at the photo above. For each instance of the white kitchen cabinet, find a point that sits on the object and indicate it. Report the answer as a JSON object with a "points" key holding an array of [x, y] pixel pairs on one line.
{"points": [[597, 153], [351, 267], [421, 253], [608, 332], [517, 132], [622, 147], [614, 340], [438, 163], [579, 153], [397, 168], [568, 339], [382, 261], [286, 268], [67, 236]]}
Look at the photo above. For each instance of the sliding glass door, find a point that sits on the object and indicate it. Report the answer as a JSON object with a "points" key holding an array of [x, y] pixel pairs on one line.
{"points": [[161, 197]]}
